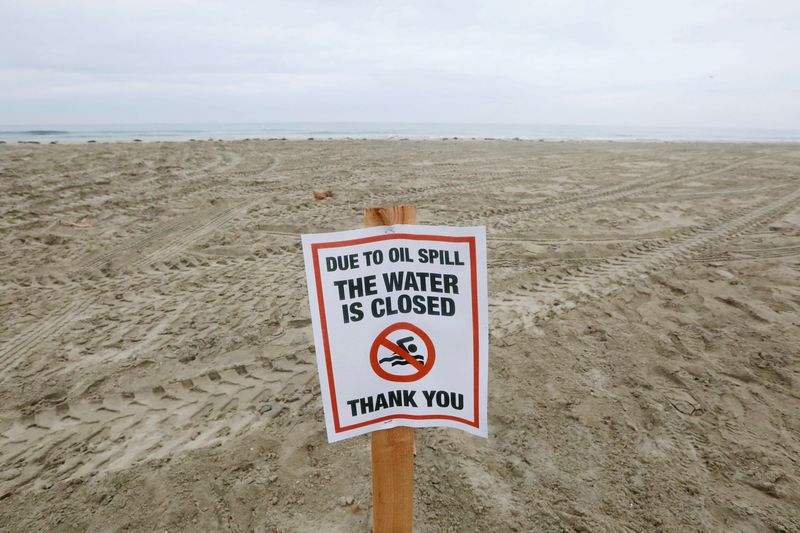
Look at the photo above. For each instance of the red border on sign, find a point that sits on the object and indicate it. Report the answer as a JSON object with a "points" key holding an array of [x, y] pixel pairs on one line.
{"points": [[338, 428]]}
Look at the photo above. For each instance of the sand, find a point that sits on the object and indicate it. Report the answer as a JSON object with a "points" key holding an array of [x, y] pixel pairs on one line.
{"points": [[156, 360]]}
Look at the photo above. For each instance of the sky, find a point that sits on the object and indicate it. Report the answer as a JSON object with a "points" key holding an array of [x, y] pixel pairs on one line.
{"points": [[711, 63]]}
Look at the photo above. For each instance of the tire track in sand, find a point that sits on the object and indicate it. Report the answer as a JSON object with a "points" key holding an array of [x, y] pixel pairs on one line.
{"points": [[166, 240], [774, 252], [552, 297], [172, 235], [89, 192], [16, 349], [88, 437], [275, 261], [564, 205]]}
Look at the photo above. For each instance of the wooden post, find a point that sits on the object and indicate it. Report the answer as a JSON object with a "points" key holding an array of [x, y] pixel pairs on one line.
{"points": [[392, 449]]}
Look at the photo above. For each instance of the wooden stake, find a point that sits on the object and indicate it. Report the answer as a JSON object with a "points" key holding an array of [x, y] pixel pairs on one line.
{"points": [[392, 449], [393, 214], [393, 480]]}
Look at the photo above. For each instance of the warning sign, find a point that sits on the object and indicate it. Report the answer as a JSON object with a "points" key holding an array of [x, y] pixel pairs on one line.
{"points": [[400, 327]]}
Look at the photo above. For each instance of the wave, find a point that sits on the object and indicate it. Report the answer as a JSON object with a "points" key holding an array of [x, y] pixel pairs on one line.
{"points": [[36, 132], [379, 130], [397, 360]]}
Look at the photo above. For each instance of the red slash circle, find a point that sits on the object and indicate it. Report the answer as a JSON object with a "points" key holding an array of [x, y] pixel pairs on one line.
{"points": [[382, 339]]}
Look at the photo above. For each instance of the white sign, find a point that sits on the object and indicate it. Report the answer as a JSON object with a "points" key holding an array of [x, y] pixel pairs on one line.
{"points": [[400, 326]]}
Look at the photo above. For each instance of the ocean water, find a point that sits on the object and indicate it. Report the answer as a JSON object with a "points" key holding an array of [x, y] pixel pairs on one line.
{"points": [[377, 130]]}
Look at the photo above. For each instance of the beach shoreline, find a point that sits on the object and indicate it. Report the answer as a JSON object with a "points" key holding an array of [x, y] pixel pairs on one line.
{"points": [[385, 131]]}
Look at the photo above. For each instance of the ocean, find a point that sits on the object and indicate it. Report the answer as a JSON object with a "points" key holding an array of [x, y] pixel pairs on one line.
{"points": [[377, 130]]}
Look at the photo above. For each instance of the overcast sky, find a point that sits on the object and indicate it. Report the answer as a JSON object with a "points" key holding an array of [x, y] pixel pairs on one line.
{"points": [[707, 63]]}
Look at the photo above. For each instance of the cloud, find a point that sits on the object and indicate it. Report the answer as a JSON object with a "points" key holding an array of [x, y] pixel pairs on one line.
{"points": [[714, 63]]}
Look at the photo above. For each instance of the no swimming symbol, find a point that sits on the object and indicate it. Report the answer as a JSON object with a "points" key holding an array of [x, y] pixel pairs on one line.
{"points": [[402, 353]]}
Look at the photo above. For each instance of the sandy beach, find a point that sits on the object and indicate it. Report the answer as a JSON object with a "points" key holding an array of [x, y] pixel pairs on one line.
{"points": [[157, 371]]}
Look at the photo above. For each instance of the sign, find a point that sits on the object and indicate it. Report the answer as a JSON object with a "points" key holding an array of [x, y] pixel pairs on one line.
{"points": [[400, 326]]}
